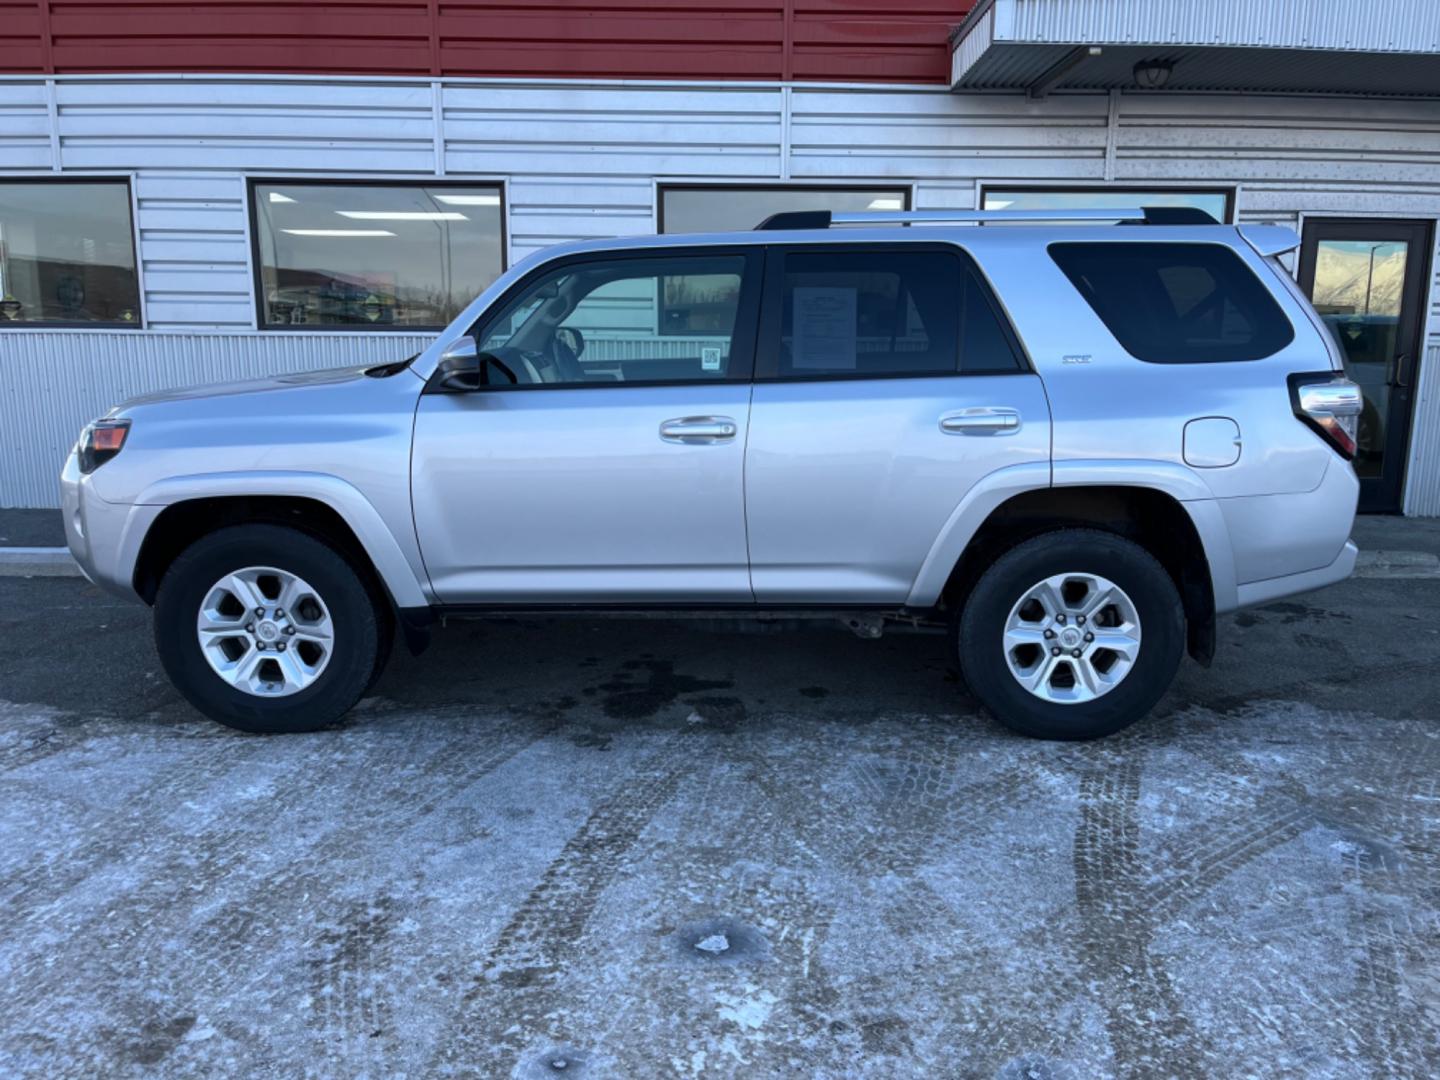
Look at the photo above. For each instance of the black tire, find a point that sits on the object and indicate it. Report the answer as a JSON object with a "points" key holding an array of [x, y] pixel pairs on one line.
{"points": [[980, 627], [356, 658], [386, 638]]}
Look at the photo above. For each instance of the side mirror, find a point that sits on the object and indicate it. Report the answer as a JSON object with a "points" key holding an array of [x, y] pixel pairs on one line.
{"points": [[459, 367], [462, 348], [463, 368]]}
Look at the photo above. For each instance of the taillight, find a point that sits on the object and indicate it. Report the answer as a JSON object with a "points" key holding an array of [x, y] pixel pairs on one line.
{"points": [[100, 442], [1331, 405]]}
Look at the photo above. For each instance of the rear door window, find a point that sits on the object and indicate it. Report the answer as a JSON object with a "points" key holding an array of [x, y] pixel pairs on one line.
{"points": [[1177, 303], [880, 312]]}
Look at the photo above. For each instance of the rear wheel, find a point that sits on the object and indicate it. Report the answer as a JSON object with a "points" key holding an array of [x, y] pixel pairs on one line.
{"points": [[267, 629], [1071, 635]]}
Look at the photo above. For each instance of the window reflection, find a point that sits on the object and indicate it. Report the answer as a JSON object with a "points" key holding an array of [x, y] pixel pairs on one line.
{"points": [[67, 253], [1359, 289], [1214, 203], [732, 209], [369, 255], [605, 322]]}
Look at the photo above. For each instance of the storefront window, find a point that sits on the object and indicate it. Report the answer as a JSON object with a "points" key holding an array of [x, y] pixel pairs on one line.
{"points": [[373, 255], [730, 209], [67, 254], [1214, 202]]}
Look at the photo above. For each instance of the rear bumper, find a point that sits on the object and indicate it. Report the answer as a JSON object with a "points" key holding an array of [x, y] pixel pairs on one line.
{"points": [[1289, 534], [1262, 592], [1260, 547]]}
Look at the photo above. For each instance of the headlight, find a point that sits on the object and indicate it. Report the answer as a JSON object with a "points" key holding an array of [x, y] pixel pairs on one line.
{"points": [[100, 442]]}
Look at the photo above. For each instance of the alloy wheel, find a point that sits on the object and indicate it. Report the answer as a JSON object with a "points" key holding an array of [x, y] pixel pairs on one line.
{"points": [[265, 631], [1072, 638]]}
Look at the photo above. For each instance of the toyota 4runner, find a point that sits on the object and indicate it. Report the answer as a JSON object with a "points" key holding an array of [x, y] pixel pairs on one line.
{"points": [[1073, 443]]}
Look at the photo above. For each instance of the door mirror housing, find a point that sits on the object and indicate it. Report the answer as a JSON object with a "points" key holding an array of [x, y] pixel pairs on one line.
{"points": [[463, 368], [459, 368], [462, 348]]}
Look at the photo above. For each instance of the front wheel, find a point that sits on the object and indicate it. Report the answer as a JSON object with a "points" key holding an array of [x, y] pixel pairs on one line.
{"points": [[267, 629], [1073, 634]]}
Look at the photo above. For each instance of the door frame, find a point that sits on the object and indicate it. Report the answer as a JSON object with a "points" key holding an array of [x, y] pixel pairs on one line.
{"points": [[1385, 494]]}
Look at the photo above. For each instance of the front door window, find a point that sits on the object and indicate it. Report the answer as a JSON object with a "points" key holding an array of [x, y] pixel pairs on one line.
{"points": [[629, 320]]}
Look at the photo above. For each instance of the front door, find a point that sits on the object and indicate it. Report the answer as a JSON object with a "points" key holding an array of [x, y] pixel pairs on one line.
{"points": [[1366, 278], [887, 386], [611, 470]]}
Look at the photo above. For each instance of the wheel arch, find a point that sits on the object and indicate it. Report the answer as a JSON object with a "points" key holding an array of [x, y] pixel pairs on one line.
{"points": [[1153, 518], [326, 507]]}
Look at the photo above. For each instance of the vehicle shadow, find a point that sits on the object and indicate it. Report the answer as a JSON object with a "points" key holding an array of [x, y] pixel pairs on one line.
{"points": [[614, 672]]}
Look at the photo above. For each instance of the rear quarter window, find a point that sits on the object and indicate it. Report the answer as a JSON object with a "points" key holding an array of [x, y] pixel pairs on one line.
{"points": [[1169, 303]]}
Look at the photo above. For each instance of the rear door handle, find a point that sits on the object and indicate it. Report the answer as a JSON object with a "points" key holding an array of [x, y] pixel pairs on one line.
{"points": [[698, 429], [981, 422]]}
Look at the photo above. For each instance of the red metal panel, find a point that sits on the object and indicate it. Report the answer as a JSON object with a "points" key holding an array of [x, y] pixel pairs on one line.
{"points": [[864, 40], [861, 40], [361, 37], [21, 37], [703, 39]]}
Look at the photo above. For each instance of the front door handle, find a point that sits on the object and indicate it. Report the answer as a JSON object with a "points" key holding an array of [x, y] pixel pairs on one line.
{"points": [[981, 422], [698, 429]]}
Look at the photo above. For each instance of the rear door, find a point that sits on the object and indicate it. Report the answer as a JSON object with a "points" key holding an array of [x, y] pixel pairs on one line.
{"points": [[887, 386]]}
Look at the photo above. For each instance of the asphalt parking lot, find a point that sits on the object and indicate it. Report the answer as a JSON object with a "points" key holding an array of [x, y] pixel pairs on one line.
{"points": [[605, 849]]}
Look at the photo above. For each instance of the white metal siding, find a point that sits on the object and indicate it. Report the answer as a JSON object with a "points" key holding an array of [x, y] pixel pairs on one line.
{"points": [[1422, 488], [581, 160], [24, 126], [245, 124], [1422, 480], [971, 46], [1356, 155], [940, 137], [1376, 26]]}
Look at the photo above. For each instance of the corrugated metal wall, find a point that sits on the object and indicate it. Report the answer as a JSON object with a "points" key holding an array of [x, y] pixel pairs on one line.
{"points": [[897, 41], [1422, 487], [582, 160], [1376, 25]]}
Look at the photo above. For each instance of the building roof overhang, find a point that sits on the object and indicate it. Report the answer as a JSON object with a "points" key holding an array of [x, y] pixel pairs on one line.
{"points": [[1383, 47]]}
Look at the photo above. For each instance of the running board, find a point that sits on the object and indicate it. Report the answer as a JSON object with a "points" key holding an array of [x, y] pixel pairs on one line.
{"points": [[866, 623]]}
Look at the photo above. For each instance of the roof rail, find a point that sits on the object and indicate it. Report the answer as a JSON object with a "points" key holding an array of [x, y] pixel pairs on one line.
{"points": [[824, 219], [1177, 215]]}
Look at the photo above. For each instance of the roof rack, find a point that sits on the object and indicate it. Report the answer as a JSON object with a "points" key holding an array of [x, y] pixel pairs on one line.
{"points": [[1139, 215]]}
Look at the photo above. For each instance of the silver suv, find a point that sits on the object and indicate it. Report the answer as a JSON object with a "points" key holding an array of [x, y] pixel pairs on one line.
{"points": [[1074, 445]]}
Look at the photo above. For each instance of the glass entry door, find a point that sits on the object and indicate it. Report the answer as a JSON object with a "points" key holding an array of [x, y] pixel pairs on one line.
{"points": [[1367, 278]]}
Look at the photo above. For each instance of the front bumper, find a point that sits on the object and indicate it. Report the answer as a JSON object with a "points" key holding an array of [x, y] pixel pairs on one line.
{"points": [[104, 537]]}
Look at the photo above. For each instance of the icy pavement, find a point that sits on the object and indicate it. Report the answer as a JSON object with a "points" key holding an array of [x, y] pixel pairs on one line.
{"points": [[637, 850]]}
